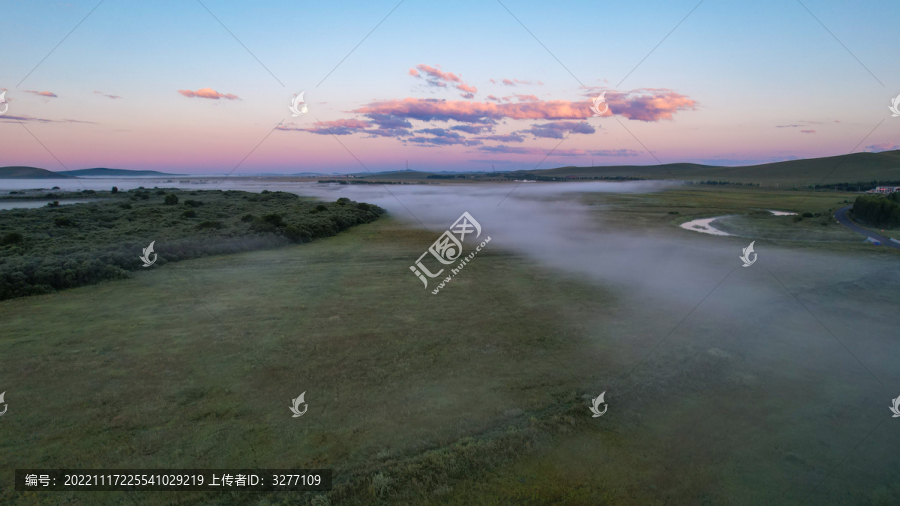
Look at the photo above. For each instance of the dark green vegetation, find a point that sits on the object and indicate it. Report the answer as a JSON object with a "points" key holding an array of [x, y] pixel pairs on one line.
{"points": [[878, 210], [58, 247], [29, 173], [45, 194]]}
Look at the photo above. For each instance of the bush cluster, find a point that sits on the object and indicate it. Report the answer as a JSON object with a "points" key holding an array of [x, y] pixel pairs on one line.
{"points": [[52, 248], [878, 210]]}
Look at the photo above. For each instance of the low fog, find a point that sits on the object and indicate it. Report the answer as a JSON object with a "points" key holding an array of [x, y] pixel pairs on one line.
{"points": [[791, 300]]}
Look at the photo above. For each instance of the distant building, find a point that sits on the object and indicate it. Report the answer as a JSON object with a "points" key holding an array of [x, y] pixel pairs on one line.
{"points": [[886, 189]]}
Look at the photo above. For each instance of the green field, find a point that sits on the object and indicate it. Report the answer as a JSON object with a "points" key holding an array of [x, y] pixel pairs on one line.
{"points": [[477, 396], [747, 209]]}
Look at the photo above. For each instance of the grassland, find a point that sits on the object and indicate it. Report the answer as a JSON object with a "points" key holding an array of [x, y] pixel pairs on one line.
{"points": [[477, 396], [195, 365], [746, 209]]}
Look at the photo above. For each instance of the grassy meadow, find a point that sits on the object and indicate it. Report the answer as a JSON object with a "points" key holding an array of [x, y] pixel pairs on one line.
{"points": [[746, 209], [476, 396]]}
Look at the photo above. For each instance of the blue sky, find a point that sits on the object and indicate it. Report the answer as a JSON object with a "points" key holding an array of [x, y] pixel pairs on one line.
{"points": [[765, 81]]}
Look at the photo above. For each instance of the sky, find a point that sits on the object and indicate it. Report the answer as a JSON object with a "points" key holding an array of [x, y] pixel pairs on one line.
{"points": [[205, 88]]}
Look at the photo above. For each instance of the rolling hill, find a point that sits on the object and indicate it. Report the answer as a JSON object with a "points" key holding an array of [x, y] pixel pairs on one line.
{"points": [[855, 167], [29, 173], [103, 172]]}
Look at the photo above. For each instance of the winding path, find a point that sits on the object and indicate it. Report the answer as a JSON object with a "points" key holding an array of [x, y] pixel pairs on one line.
{"points": [[841, 216]]}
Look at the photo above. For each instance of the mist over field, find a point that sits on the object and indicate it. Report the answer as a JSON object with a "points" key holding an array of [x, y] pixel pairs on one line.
{"points": [[770, 372]]}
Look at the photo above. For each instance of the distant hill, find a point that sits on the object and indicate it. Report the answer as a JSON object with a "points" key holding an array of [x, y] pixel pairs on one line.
{"points": [[884, 166], [29, 173], [101, 172], [855, 167]]}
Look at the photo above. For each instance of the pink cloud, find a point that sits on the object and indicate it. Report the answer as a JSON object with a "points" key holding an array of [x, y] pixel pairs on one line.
{"points": [[467, 95], [558, 152], [208, 93], [559, 129], [513, 137], [513, 82], [491, 97], [48, 94], [438, 74], [648, 105], [807, 131], [335, 127], [438, 78]]}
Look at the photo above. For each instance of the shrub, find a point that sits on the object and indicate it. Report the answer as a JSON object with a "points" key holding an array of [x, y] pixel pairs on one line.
{"points": [[274, 219], [878, 210], [193, 203], [160, 192], [210, 224], [381, 483], [11, 238], [171, 199], [247, 217], [55, 203], [673, 212], [343, 201], [48, 259], [807, 215], [126, 205], [321, 207], [798, 218], [115, 189], [364, 206], [294, 234], [190, 213]]}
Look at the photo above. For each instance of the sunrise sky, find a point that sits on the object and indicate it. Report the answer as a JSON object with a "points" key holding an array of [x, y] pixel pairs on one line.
{"points": [[455, 87]]}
